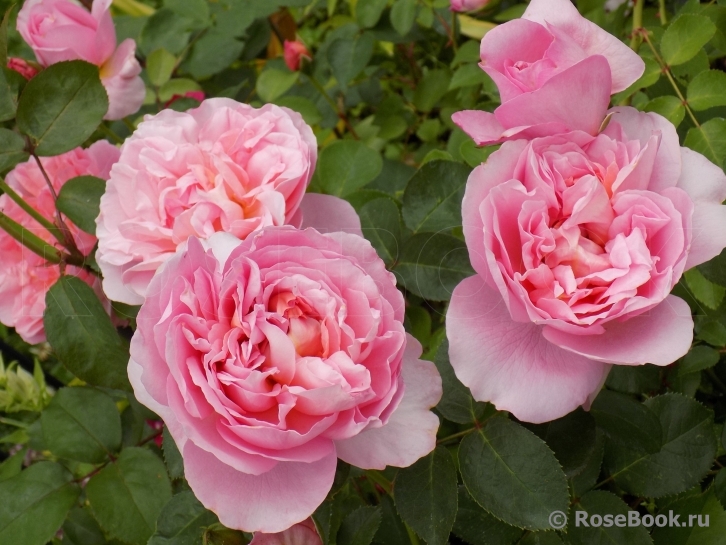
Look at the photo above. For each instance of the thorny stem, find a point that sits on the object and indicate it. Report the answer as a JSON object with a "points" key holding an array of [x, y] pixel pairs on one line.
{"points": [[667, 71], [662, 12]]}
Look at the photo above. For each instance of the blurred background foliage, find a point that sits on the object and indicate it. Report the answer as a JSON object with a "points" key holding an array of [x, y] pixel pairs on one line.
{"points": [[379, 88]]}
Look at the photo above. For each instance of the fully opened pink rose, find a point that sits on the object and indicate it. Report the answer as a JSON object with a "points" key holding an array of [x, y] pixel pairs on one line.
{"points": [[577, 241], [25, 277], [270, 359], [224, 166], [555, 71], [61, 30]]}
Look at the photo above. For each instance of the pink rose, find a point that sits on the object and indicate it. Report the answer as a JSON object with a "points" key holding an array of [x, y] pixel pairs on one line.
{"points": [[26, 277], [577, 241], [271, 358], [294, 53], [224, 166], [61, 30], [304, 533], [468, 5], [22, 67], [555, 71]]}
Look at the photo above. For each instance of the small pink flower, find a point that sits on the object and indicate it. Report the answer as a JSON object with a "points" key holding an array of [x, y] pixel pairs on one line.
{"points": [[555, 71], [61, 30], [468, 5], [25, 277], [294, 53], [269, 359], [22, 67], [223, 166], [577, 241], [303, 533]]}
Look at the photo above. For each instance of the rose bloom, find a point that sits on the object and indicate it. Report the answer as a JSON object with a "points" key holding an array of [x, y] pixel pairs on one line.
{"points": [[555, 71], [304, 533], [22, 67], [294, 53], [577, 241], [224, 166], [468, 5], [271, 358], [61, 30], [25, 277]]}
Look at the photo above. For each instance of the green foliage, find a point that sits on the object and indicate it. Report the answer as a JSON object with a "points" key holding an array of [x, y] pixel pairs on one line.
{"points": [[345, 166], [80, 200], [183, 521]]}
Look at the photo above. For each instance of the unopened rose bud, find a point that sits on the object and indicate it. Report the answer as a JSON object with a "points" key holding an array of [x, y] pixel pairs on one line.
{"points": [[22, 67], [294, 53]]}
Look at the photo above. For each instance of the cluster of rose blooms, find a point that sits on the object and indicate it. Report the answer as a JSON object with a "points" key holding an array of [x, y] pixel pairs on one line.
{"points": [[270, 338]]}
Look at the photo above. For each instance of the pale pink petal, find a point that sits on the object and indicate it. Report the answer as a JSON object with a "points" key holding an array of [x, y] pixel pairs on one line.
{"points": [[659, 336], [328, 214], [272, 502], [410, 433], [626, 65], [300, 534], [483, 127], [511, 364], [124, 86]]}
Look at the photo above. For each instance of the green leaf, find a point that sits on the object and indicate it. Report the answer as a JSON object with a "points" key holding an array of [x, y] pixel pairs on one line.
{"points": [[194, 9], [588, 477], [347, 165], [669, 107], [81, 424], [160, 66], [685, 37], [80, 528], [432, 200], [11, 83], [432, 88], [212, 53], [12, 150], [457, 403], [368, 13], [634, 380], [62, 106], [628, 422], [172, 456], [699, 358], [13, 465], [432, 265], [706, 90], [512, 473], [706, 292], [688, 450], [128, 495], [359, 527], [715, 269], [712, 331], [572, 438], [303, 106], [80, 200], [477, 527], [608, 506], [540, 538], [166, 29], [392, 530], [34, 503], [692, 529], [182, 521], [467, 75], [4, 37], [274, 83], [349, 57], [719, 486], [426, 496], [709, 140], [403, 15], [82, 335], [381, 224]]}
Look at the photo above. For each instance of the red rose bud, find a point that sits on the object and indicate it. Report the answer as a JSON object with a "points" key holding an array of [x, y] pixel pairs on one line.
{"points": [[294, 52], [22, 67]]}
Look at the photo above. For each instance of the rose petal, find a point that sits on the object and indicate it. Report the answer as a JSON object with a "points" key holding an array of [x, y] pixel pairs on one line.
{"points": [[329, 214]]}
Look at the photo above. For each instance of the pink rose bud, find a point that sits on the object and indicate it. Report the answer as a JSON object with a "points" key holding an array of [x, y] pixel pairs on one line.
{"points": [[61, 30], [22, 67], [196, 95], [294, 53], [25, 277], [577, 241], [269, 359], [303, 533], [468, 5], [223, 166], [555, 71]]}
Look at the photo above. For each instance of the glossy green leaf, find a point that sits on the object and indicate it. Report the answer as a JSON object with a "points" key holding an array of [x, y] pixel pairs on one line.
{"points": [[34, 503], [82, 424], [165, 29], [348, 57], [62, 106], [685, 37], [359, 527], [701, 521], [426, 496], [504, 456], [182, 521], [80, 528], [708, 293], [669, 107], [274, 83], [159, 66], [707, 90], [172, 456], [194, 9], [709, 140], [403, 15], [715, 269], [612, 528], [128, 495], [432, 200], [80, 200], [82, 335], [381, 225], [431, 89], [12, 149], [477, 527], [345, 166], [368, 13], [699, 358], [432, 265], [11, 84], [627, 422]]}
